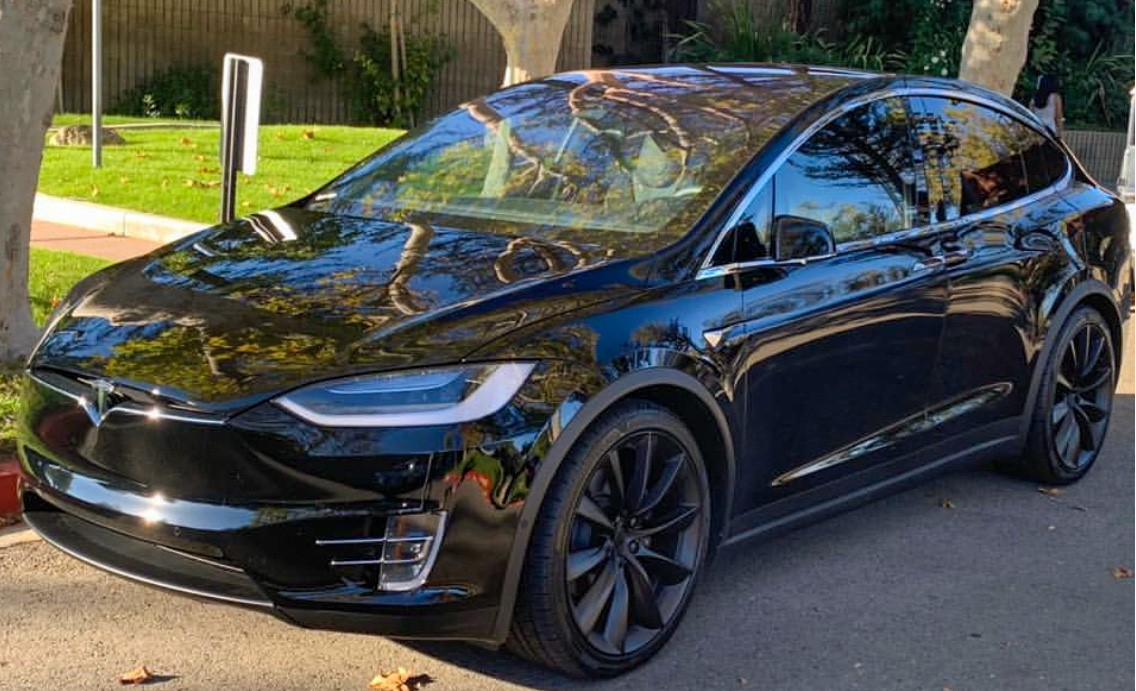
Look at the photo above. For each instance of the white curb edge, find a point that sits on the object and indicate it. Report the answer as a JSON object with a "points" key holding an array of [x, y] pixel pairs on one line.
{"points": [[113, 220], [18, 534]]}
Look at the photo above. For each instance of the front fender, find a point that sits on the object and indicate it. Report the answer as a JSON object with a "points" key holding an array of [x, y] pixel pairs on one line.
{"points": [[566, 426]]}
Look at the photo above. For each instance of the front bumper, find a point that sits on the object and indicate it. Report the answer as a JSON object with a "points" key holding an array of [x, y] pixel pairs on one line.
{"points": [[209, 551], [261, 509]]}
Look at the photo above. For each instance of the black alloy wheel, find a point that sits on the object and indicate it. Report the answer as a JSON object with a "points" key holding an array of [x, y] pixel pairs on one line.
{"points": [[1074, 404], [623, 534], [1082, 399], [635, 542]]}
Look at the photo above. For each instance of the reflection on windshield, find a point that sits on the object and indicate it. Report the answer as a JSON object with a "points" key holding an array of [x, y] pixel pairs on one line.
{"points": [[633, 153]]}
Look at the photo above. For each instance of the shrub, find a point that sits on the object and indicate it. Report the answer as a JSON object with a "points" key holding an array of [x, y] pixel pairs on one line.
{"points": [[377, 96], [181, 91], [739, 37]]}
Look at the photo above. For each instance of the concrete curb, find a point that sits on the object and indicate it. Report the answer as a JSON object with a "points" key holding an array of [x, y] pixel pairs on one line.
{"points": [[113, 220], [18, 534]]}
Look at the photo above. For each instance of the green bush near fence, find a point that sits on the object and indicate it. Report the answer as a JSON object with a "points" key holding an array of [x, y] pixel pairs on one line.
{"points": [[181, 91], [1086, 42]]}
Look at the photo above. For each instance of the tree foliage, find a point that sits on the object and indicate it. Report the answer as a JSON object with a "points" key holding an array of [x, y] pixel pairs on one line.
{"points": [[378, 96]]}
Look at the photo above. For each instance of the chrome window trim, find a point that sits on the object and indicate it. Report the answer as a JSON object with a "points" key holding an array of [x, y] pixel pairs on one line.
{"points": [[709, 270]]}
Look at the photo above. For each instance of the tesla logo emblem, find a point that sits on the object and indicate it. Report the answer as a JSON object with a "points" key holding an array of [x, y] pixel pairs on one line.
{"points": [[98, 409]]}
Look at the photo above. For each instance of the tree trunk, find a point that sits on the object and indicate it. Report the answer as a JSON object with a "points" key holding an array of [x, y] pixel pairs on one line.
{"points": [[531, 31], [31, 50], [798, 16], [996, 43]]}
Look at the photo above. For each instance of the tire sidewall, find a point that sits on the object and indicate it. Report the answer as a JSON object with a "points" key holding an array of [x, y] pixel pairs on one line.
{"points": [[1080, 318]]}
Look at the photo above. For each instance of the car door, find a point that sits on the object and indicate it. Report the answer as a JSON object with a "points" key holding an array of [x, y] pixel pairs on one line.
{"points": [[993, 186], [837, 345]]}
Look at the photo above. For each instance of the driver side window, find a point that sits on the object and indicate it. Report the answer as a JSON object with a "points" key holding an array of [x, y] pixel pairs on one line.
{"points": [[856, 176]]}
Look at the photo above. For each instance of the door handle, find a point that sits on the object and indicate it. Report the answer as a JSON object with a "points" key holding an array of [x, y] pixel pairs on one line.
{"points": [[940, 261], [955, 257], [929, 264]]}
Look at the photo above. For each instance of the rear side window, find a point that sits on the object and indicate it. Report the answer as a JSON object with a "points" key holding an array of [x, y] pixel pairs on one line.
{"points": [[856, 175], [972, 157], [1045, 164]]}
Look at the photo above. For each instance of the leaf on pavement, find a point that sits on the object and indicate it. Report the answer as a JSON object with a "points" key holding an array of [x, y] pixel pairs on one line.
{"points": [[401, 679], [946, 504], [1121, 572], [1051, 491], [136, 676]]}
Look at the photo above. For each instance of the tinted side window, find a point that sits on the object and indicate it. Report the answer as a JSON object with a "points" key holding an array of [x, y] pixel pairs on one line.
{"points": [[855, 175], [971, 155], [1045, 164]]}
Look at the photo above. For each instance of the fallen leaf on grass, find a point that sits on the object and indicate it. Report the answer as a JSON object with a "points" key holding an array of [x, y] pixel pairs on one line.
{"points": [[202, 183], [1121, 572], [946, 504], [94, 190], [185, 141], [1051, 491], [141, 154], [308, 134], [136, 676], [200, 158], [401, 679]]}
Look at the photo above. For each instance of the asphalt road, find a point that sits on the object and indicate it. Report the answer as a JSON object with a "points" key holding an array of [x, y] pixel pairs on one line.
{"points": [[1009, 589]]}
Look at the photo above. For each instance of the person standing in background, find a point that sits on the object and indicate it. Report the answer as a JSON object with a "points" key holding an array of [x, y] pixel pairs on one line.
{"points": [[1047, 103]]}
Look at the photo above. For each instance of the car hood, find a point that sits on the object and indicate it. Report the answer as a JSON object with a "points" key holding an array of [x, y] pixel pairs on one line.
{"points": [[266, 303]]}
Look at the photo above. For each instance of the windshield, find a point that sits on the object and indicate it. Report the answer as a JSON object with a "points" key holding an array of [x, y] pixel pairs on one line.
{"points": [[591, 161]]}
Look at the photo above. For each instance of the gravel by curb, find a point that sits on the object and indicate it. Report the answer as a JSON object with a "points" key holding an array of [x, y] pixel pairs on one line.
{"points": [[113, 220], [18, 534]]}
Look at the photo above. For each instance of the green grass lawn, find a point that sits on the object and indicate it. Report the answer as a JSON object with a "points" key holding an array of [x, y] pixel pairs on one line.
{"points": [[52, 275], [176, 172]]}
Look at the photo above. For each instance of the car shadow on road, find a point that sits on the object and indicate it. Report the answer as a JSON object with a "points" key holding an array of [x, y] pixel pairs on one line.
{"points": [[910, 587]]}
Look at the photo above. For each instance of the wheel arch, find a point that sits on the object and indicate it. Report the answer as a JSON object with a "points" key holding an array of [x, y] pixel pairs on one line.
{"points": [[1092, 293], [678, 392]]}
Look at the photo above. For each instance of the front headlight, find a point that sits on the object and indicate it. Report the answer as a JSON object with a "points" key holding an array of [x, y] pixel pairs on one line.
{"points": [[442, 396]]}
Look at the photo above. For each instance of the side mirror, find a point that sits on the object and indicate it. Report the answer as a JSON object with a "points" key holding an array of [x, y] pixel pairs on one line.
{"points": [[800, 238]]}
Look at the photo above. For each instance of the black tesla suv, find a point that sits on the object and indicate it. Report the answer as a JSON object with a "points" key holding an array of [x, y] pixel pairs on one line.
{"points": [[516, 376]]}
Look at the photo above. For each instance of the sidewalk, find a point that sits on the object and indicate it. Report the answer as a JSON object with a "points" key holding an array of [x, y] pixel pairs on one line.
{"points": [[53, 236]]}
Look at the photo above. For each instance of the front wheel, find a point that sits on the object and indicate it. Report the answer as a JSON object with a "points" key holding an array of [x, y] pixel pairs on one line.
{"points": [[1074, 404], [617, 549]]}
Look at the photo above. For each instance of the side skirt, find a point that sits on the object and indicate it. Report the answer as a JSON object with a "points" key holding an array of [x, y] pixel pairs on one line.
{"points": [[998, 441]]}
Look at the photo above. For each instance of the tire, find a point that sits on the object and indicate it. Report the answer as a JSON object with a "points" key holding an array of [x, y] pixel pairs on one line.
{"points": [[584, 607], [1074, 403]]}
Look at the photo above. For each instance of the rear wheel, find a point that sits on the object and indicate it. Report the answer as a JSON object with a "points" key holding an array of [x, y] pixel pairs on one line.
{"points": [[1074, 405], [618, 546]]}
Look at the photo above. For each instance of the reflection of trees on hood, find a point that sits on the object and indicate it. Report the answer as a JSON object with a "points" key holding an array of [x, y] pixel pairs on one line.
{"points": [[214, 325]]}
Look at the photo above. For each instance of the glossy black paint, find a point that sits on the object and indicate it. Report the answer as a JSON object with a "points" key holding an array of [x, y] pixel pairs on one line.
{"points": [[811, 386]]}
